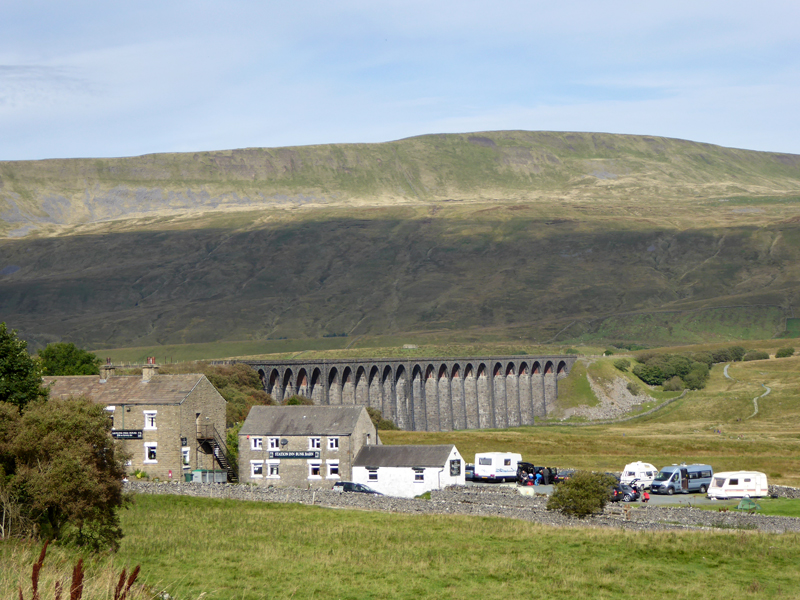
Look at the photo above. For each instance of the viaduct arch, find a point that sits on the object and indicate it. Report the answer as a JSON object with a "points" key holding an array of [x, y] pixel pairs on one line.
{"points": [[427, 394]]}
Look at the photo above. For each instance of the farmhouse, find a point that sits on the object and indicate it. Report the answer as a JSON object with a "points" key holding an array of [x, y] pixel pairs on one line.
{"points": [[168, 424], [302, 446], [408, 471]]}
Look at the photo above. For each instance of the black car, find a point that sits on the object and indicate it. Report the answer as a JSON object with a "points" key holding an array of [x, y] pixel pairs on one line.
{"points": [[349, 486], [563, 475], [623, 492]]}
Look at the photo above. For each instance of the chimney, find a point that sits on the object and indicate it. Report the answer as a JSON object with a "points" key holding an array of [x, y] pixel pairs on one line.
{"points": [[106, 372], [149, 371]]}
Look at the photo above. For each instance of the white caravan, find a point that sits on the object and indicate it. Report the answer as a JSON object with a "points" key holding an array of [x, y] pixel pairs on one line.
{"points": [[640, 471], [738, 484], [496, 466]]}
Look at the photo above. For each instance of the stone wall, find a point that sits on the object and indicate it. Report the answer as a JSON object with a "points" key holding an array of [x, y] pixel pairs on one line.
{"points": [[486, 501]]}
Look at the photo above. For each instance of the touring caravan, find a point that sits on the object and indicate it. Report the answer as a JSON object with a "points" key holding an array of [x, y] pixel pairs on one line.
{"points": [[641, 472], [682, 478], [738, 484], [496, 466]]}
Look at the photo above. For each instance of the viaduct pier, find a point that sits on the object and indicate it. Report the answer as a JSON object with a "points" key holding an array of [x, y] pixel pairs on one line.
{"points": [[427, 394]]}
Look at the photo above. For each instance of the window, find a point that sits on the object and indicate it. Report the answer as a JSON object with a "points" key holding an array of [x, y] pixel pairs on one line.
{"points": [[419, 475], [150, 452], [150, 419], [185, 457], [455, 468], [314, 469], [372, 474], [314, 443], [485, 461], [333, 443], [747, 480], [734, 482], [333, 469], [506, 462], [110, 412], [274, 444], [256, 468], [256, 443], [273, 470]]}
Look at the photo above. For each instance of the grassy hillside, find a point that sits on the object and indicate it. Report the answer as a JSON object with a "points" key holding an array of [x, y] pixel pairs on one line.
{"points": [[529, 236]]}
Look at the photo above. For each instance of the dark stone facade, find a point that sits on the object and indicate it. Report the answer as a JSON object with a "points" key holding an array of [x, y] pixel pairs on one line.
{"points": [[428, 394]]}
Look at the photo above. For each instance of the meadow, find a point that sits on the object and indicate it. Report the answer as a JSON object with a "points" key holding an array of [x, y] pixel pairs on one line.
{"points": [[229, 549]]}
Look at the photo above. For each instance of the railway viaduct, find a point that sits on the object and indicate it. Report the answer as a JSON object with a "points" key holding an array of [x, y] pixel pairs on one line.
{"points": [[427, 394]]}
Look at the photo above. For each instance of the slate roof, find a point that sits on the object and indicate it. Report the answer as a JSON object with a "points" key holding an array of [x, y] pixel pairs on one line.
{"points": [[301, 420], [125, 389], [403, 456]]}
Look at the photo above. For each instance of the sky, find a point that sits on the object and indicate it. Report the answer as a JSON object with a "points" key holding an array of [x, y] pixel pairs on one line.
{"points": [[105, 79]]}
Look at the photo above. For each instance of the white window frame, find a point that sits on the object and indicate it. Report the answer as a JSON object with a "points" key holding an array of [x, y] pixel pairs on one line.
{"points": [[372, 475], [314, 443], [273, 464], [147, 446], [256, 465], [333, 444], [256, 443], [150, 415], [186, 457], [419, 475], [331, 464], [111, 410], [274, 443], [312, 464]]}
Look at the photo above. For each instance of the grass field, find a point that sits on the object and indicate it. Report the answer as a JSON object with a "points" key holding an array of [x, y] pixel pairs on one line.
{"points": [[240, 550]]}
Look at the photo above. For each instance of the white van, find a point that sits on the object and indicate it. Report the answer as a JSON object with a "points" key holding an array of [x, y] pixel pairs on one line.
{"points": [[643, 473], [682, 479], [738, 484], [496, 466]]}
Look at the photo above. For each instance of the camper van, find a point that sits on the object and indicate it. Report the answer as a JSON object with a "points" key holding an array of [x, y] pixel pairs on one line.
{"points": [[641, 472], [683, 479], [738, 484], [496, 466]]}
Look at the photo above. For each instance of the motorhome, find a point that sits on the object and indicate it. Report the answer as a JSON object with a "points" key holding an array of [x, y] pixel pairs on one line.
{"points": [[641, 472], [496, 466], [738, 484], [682, 479]]}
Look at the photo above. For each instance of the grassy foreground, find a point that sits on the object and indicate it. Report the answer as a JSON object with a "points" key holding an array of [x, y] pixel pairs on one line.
{"points": [[229, 549]]}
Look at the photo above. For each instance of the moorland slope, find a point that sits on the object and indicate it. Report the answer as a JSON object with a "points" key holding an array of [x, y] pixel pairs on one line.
{"points": [[522, 235]]}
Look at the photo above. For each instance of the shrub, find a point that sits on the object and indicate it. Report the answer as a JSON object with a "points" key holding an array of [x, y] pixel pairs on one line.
{"points": [[571, 351], [755, 355], [582, 494], [608, 353], [784, 352], [298, 400], [378, 420], [674, 385], [623, 364], [650, 374], [703, 357], [634, 389]]}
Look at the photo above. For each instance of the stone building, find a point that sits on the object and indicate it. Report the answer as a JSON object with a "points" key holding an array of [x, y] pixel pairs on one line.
{"points": [[170, 425], [408, 471], [302, 446]]}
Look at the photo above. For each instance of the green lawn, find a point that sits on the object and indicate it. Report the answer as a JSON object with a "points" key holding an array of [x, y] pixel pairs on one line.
{"points": [[242, 550]]}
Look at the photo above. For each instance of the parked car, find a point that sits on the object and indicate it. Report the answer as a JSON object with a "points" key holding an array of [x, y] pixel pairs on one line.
{"points": [[469, 471], [624, 492], [563, 475], [349, 486]]}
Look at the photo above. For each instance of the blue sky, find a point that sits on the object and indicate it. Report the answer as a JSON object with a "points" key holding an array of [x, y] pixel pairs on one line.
{"points": [[100, 79]]}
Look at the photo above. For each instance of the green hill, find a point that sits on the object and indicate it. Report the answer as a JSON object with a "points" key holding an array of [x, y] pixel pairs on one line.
{"points": [[529, 236]]}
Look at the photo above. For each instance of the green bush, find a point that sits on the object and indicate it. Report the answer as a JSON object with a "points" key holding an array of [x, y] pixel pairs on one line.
{"points": [[378, 420], [298, 400], [674, 385], [623, 364], [755, 355], [784, 352], [571, 351], [582, 494], [634, 389], [608, 353]]}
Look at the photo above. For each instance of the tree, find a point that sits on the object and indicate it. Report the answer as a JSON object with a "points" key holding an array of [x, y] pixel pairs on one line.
{"points": [[582, 494], [784, 352], [67, 359], [67, 471], [20, 375]]}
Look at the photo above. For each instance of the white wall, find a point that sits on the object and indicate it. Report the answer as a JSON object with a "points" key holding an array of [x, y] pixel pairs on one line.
{"points": [[400, 481]]}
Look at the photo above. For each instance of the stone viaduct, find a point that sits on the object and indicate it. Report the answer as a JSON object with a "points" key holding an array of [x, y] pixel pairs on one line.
{"points": [[427, 394]]}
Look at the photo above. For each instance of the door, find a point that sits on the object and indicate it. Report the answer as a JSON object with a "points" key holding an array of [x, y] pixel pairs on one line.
{"points": [[684, 481]]}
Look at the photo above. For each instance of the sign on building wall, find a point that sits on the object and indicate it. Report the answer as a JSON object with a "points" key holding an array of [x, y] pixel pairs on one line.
{"points": [[294, 454], [126, 434]]}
